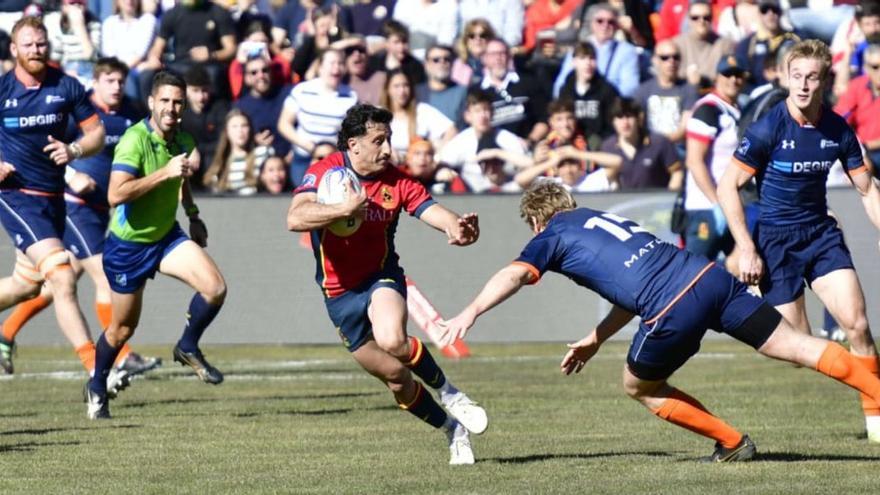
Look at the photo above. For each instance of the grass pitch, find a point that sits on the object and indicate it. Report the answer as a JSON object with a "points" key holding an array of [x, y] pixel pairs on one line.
{"points": [[305, 419]]}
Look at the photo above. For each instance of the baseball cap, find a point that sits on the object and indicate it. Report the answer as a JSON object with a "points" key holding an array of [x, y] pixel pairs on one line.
{"points": [[729, 66]]}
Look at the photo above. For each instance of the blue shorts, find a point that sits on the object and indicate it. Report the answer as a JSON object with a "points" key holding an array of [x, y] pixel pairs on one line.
{"points": [[793, 253], [30, 218], [348, 311], [128, 265], [718, 302], [85, 230]]}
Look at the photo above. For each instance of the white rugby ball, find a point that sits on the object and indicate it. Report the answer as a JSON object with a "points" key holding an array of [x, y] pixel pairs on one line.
{"points": [[334, 188]]}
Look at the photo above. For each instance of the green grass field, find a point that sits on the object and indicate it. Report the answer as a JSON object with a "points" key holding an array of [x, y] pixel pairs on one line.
{"points": [[304, 419]]}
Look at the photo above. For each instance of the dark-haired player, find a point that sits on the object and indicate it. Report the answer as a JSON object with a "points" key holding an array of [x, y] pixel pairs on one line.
{"points": [[365, 294], [789, 151], [678, 295]]}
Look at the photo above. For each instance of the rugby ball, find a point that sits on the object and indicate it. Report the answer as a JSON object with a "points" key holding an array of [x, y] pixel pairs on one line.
{"points": [[335, 186]]}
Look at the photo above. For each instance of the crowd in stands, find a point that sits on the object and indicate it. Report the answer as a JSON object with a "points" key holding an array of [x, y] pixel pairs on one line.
{"points": [[487, 95]]}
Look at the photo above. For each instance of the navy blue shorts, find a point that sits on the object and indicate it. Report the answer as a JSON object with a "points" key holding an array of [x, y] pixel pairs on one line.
{"points": [[718, 302], [128, 265], [348, 311], [86, 228], [30, 218], [794, 253]]}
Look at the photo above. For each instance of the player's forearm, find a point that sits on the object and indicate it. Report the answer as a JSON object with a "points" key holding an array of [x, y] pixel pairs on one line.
{"points": [[732, 206], [440, 218], [502, 285], [616, 319], [311, 216], [130, 190], [871, 201], [92, 141]]}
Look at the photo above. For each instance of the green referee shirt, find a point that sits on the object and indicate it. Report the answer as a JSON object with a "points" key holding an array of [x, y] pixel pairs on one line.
{"points": [[141, 152]]}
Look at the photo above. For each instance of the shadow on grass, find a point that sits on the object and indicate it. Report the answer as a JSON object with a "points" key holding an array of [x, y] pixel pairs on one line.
{"points": [[46, 431], [315, 412], [19, 415], [549, 457], [31, 446], [198, 400], [798, 457]]}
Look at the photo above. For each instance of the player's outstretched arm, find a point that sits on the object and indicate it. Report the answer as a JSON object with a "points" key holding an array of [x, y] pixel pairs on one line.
{"points": [[502, 285], [460, 230], [305, 213], [125, 187], [583, 350], [750, 265]]}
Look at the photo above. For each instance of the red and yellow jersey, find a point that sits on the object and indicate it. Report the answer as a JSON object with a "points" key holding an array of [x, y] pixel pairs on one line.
{"points": [[347, 259]]}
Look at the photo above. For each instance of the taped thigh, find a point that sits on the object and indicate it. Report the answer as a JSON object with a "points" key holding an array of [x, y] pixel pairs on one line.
{"points": [[25, 272], [55, 260]]}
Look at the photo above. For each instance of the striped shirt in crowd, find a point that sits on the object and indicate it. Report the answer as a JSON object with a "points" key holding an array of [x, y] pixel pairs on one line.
{"points": [[319, 111]]}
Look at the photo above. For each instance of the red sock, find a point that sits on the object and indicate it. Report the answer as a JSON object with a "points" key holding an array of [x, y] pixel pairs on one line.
{"points": [[683, 410], [22, 313]]}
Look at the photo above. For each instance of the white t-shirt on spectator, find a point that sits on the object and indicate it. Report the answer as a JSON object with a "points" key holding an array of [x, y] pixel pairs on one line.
{"points": [[460, 153], [596, 181], [438, 19], [319, 111], [431, 124], [127, 40]]}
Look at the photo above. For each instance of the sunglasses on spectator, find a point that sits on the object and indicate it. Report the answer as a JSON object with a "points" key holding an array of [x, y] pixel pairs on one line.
{"points": [[770, 8], [355, 48], [254, 72], [704, 18], [666, 57], [482, 35], [437, 60], [605, 20]]}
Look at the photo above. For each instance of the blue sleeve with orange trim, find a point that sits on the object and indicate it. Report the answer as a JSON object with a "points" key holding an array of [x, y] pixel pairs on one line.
{"points": [[541, 253], [82, 110], [754, 150]]}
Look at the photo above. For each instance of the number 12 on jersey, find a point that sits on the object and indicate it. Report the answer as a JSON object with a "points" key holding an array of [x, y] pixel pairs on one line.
{"points": [[614, 225]]}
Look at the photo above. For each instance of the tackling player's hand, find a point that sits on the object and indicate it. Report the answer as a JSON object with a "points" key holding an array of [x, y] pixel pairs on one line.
{"points": [[6, 169], [179, 166], [578, 354], [81, 183], [466, 230], [456, 328], [58, 151], [751, 267], [198, 232]]}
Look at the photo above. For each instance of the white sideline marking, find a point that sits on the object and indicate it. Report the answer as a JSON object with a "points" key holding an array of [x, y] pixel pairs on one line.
{"points": [[249, 365]]}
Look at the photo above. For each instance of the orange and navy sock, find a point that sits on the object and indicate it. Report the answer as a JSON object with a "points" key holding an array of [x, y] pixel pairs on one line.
{"points": [[22, 313], [105, 355], [124, 351], [683, 410], [86, 353], [869, 405], [199, 316], [423, 365], [839, 364], [424, 407]]}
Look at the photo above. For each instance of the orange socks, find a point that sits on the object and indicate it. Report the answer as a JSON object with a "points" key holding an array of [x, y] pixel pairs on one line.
{"points": [[86, 353], [839, 364], [869, 405], [683, 410], [22, 313]]}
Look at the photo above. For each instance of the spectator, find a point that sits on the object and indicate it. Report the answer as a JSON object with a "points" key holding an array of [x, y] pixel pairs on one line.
{"points": [[430, 22], [618, 61], [544, 15], [127, 35], [649, 160], [324, 33], [322, 150], [412, 120], [819, 18], [868, 18], [245, 13], [700, 47], [848, 35], [421, 165], [571, 172], [518, 101], [770, 35], [6, 62], [470, 47], [764, 97], [202, 33], [439, 90], [671, 17], [291, 21], [505, 16], [666, 98], [860, 105], [711, 140], [739, 20], [262, 102], [367, 83], [256, 45], [367, 17], [633, 23], [461, 153], [238, 158], [273, 176], [314, 111], [75, 37], [591, 95], [396, 53], [202, 117]]}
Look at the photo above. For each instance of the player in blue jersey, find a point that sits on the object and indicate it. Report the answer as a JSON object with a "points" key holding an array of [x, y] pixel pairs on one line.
{"points": [[36, 102], [88, 216], [790, 151], [678, 295]]}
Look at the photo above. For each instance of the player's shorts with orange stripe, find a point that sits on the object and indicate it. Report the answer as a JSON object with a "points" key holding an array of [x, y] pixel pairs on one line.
{"points": [[30, 218]]}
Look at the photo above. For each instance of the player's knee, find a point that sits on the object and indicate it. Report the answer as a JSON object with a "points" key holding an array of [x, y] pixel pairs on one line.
{"points": [[854, 321], [117, 335], [395, 344], [56, 268], [215, 293]]}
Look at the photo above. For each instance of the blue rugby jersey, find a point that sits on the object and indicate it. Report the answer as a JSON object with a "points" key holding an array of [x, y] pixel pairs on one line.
{"points": [[98, 166], [28, 116], [791, 162], [616, 258]]}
